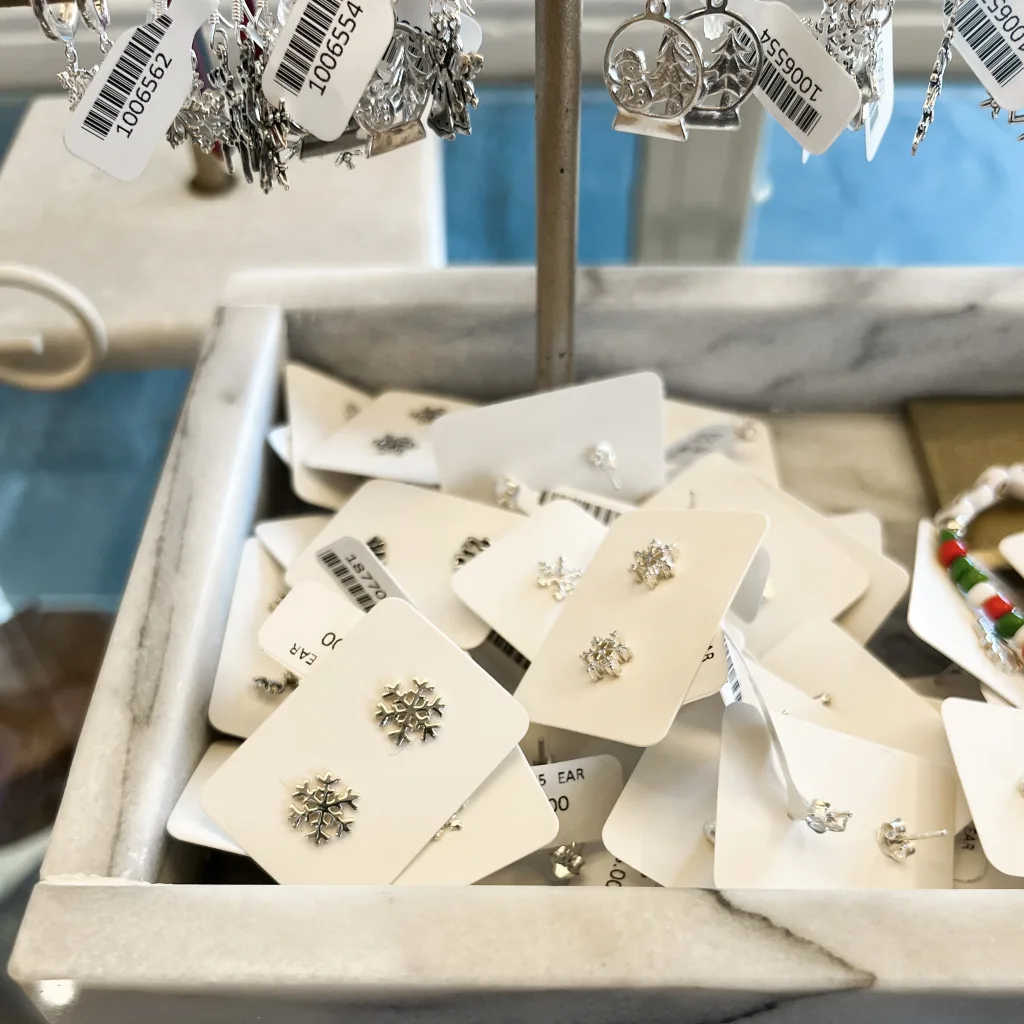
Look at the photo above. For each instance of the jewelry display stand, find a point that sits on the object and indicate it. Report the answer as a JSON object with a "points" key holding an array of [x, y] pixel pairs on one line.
{"points": [[125, 926]]}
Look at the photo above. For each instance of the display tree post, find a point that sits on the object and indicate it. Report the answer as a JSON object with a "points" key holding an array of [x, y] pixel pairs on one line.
{"points": [[558, 25]]}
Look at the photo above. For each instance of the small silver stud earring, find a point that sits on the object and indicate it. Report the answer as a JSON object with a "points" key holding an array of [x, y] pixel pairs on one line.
{"points": [[824, 698], [605, 656], [471, 547], [506, 493], [655, 563], [453, 824], [558, 578], [410, 714], [321, 808], [275, 687], [428, 414], [709, 831], [602, 456], [896, 842], [821, 818], [566, 863], [379, 546], [390, 444]]}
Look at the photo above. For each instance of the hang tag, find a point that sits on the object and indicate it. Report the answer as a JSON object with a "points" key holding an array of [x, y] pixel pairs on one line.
{"points": [[811, 576], [604, 510], [506, 819], [582, 794], [324, 57], [238, 704], [863, 527], [757, 845], [359, 572], [986, 742], [941, 617], [137, 92], [280, 441], [801, 86], [503, 584], [990, 39], [550, 440], [1012, 549], [658, 823], [417, 14], [390, 439], [188, 821], [667, 629], [286, 538], [307, 627], [318, 405], [404, 794], [878, 114], [424, 532]]}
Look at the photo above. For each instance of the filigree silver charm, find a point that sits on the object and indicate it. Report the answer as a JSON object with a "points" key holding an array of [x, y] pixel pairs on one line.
{"points": [[471, 547], [391, 444], [410, 714], [602, 456], [321, 808], [665, 90], [821, 818], [558, 578], [654, 563], [275, 687], [566, 863], [428, 414], [606, 656], [898, 844]]}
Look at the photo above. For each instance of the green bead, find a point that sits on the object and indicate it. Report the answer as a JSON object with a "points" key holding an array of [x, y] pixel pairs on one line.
{"points": [[971, 577], [1008, 625], [958, 567], [945, 535]]}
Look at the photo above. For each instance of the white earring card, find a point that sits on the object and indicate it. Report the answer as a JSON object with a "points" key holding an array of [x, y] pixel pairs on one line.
{"points": [[401, 794], [666, 629], [547, 440], [188, 821], [286, 538], [425, 532]]}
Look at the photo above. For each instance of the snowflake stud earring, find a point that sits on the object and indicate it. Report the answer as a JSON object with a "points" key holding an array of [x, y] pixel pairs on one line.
{"points": [[606, 656], [558, 578], [566, 863], [379, 546], [275, 687], [410, 713], [602, 456], [390, 444], [471, 547], [428, 414], [321, 808], [506, 493], [654, 563], [821, 818]]}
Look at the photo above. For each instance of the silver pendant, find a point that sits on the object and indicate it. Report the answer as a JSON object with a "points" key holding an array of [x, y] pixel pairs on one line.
{"points": [[321, 808], [931, 96], [410, 714], [652, 70]]}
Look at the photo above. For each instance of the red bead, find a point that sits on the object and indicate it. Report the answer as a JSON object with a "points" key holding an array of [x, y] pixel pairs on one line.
{"points": [[950, 551], [996, 607]]}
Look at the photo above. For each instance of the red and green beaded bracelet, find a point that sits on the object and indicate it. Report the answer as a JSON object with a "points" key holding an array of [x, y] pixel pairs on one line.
{"points": [[997, 615]]}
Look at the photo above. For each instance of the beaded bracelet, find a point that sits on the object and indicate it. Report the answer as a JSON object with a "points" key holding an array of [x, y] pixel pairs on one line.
{"points": [[999, 621]]}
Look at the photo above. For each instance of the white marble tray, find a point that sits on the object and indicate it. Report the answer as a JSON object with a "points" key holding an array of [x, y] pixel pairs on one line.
{"points": [[101, 942]]}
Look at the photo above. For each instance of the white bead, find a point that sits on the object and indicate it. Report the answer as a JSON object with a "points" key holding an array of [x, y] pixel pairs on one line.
{"points": [[982, 497], [980, 593], [996, 477], [1016, 472]]}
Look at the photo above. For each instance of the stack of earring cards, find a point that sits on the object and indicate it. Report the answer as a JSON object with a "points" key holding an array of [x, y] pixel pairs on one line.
{"points": [[582, 637]]}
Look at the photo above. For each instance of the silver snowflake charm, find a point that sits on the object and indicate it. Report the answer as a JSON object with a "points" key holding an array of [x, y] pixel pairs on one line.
{"points": [[428, 414], [275, 687], [321, 808], [558, 578], [602, 456], [410, 713], [390, 444], [471, 547], [566, 863], [606, 656], [453, 824], [821, 818], [654, 563]]}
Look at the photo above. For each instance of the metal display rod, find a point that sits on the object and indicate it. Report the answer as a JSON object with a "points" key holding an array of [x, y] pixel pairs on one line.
{"points": [[558, 26]]}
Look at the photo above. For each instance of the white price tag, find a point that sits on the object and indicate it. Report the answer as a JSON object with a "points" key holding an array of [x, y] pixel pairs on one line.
{"points": [[137, 92], [877, 115], [801, 86], [359, 572], [324, 58], [582, 793], [990, 38]]}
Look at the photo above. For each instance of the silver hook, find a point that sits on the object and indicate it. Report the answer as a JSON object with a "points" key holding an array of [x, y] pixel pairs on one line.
{"points": [[96, 14], [59, 27]]}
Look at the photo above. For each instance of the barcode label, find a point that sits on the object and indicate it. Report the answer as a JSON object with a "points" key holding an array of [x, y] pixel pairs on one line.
{"points": [[982, 35], [601, 514], [301, 51], [499, 643], [787, 100], [344, 575], [130, 67]]}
